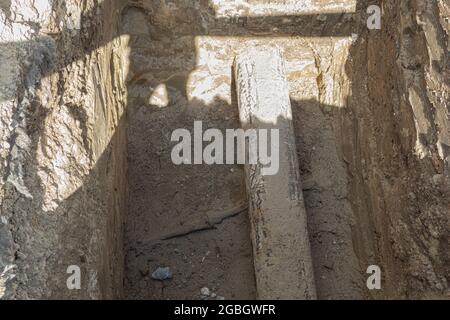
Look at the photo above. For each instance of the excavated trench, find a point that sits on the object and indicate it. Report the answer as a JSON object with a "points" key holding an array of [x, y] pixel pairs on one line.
{"points": [[88, 180]]}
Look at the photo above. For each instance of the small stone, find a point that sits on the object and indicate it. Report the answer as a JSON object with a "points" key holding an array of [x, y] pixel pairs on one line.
{"points": [[213, 295], [322, 17], [220, 298], [162, 273], [205, 291], [439, 286], [438, 179]]}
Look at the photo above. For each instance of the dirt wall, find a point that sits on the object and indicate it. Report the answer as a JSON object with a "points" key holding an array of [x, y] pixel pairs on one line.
{"points": [[395, 143], [63, 157]]}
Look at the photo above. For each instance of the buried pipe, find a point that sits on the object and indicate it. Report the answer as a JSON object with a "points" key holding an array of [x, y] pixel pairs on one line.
{"points": [[281, 249]]}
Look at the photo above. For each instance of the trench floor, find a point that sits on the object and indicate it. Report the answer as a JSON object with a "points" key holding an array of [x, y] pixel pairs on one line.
{"points": [[178, 78]]}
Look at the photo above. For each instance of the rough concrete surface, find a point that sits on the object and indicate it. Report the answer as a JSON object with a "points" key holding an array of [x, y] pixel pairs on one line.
{"points": [[279, 228]]}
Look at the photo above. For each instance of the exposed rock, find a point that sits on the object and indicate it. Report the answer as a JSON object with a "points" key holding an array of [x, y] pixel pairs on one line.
{"points": [[205, 291], [162, 273]]}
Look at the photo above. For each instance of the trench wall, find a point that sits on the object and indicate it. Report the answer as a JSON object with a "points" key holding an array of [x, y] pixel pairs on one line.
{"points": [[62, 149], [395, 141]]}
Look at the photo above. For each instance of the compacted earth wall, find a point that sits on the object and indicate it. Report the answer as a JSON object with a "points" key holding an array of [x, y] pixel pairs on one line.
{"points": [[395, 141], [62, 149]]}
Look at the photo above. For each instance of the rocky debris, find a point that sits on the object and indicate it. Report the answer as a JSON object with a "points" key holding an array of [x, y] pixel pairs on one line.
{"points": [[208, 294], [205, 292], [438, 179], [162, 273]]}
